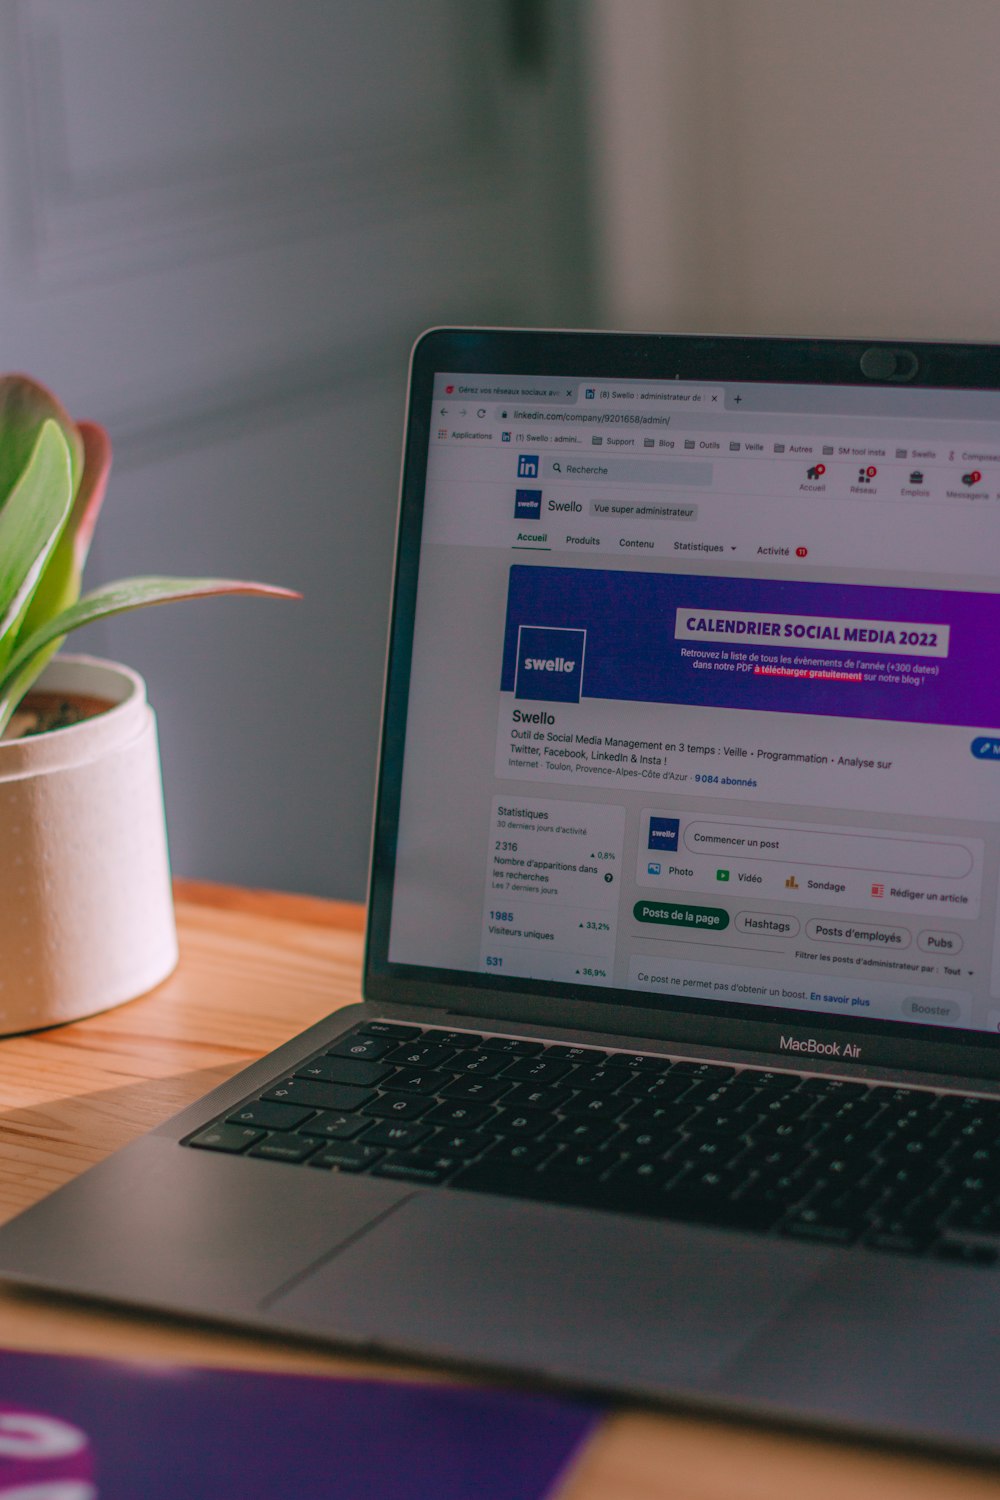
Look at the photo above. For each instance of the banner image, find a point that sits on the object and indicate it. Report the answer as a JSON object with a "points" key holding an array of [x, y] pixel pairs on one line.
{"points": [[910, 655]]}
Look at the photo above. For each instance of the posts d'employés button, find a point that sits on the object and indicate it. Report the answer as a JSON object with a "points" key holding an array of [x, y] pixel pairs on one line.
{"points": [[679, 914]]}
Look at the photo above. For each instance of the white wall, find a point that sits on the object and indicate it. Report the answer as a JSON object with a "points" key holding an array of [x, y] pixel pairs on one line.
{"points": [[799, 166]]}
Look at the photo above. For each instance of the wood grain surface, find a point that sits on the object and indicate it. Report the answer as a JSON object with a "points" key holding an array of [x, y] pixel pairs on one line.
{"points": [[256, 967]]}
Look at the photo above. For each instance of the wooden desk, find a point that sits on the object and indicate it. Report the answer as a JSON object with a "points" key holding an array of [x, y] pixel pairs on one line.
{"points": [[255, 969]]}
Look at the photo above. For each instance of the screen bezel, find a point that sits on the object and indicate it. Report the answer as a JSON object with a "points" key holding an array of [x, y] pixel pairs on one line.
{"points": [[718, 1024]]}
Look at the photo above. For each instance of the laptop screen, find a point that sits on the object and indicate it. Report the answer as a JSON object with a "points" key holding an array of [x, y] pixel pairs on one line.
{"points": [[702, 697]]}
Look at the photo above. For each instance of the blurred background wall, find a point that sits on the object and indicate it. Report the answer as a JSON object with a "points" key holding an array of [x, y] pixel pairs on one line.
{"points": [[222, 225], [224, 222], [798, 166]]}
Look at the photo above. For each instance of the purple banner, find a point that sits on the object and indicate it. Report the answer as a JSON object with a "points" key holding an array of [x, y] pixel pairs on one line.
{"points": [[101, 1430], [913, 655]]}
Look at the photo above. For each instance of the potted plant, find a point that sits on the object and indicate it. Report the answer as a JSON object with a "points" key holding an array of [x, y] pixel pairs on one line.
{"points": [[86, 920]]}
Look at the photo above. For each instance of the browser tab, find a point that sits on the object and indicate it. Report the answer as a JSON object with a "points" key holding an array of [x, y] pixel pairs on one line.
{"points": [[662, 393]]}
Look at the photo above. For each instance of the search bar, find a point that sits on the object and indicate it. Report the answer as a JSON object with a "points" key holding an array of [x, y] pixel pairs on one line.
{"points": [[599, 470]]}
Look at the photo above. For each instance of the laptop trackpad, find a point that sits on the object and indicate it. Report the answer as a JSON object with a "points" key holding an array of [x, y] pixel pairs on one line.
{"points": [[575, 1295]]}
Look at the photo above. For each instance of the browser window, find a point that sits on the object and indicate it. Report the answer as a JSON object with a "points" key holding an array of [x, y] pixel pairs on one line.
{"points": [[703, 701]]}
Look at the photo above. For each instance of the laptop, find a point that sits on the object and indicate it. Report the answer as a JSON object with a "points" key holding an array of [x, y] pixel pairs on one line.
{"points": [[678, 1069]]}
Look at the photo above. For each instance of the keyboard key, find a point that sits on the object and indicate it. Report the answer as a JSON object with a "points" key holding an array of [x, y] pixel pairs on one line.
{"points": [[641, 1140], [312, 1095], [347, 1156], [368, 1048], [599, 1080], [771, 1083], [573, 1132], [813, 1224], [715, 1072], [420, 1080], [663, 1116], [479, 1064], [416, 1166], [480, 1090], [460, 1039], [398, 1107], [575, 1054], [463, 1115], [531, 1096], [521, 1153], [700, 1203], [423, 1055], [397, 1134], [270, 1116], [663, 1089], [645, 1062], [722, 1122], [512, 1046], [521, 1122], [898, 1244], [708, 1150], [538, 1070], [230, 1138], [285, 1147], [333, 1126], [598, 1107], [859, 1108], [464, 1143], [344, 1070], [528, 1182], [782, 1106], [798, 1131], [820, 1087], [392, 1029], [577, 1162]]}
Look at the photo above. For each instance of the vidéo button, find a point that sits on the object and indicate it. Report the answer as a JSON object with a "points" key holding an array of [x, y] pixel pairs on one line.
{"points": [[679, 914], [986, 747]]}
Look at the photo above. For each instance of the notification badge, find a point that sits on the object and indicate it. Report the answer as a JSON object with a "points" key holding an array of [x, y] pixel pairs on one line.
{"points": [[802, 552], [971, 478], [816, 472]]}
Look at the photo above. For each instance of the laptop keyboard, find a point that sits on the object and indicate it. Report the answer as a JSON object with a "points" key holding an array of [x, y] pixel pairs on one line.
{"points": [[903, 1170]]}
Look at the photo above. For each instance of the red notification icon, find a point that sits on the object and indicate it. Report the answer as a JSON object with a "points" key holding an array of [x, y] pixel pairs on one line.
{"points": [[871, 471], [802, 552], [970, 479]]}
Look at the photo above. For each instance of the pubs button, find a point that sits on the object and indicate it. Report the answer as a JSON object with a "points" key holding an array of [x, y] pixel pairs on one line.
{"points": [[939, 942]]}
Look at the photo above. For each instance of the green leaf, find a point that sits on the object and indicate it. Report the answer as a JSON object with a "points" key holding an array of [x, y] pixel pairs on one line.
{"points": [[59, 585], [24, 406], [112, 599], [30, 526]]}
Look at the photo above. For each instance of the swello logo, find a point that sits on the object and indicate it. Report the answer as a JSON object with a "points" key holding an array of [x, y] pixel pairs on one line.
{"points": [[549, 663]]}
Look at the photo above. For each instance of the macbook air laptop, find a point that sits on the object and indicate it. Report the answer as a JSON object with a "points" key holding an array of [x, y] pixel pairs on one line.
{"points": [[678, 1068]]}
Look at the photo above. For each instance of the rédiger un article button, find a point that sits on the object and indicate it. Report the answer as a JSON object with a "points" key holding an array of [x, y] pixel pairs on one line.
{"points": [[679, 914]]}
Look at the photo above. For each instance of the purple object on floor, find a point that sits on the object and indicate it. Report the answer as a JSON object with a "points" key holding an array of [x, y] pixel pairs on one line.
{"points": [[91, 1429]]}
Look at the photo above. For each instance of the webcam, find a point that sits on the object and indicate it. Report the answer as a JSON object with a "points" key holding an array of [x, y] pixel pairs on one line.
{"points": [[878, 363]]}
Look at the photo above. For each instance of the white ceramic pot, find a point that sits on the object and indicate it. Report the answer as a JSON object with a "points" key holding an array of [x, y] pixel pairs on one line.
{"points": [[86, 911]]}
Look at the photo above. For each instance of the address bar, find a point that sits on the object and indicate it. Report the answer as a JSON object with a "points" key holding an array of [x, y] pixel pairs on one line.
{"points": [[589, 418]]}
